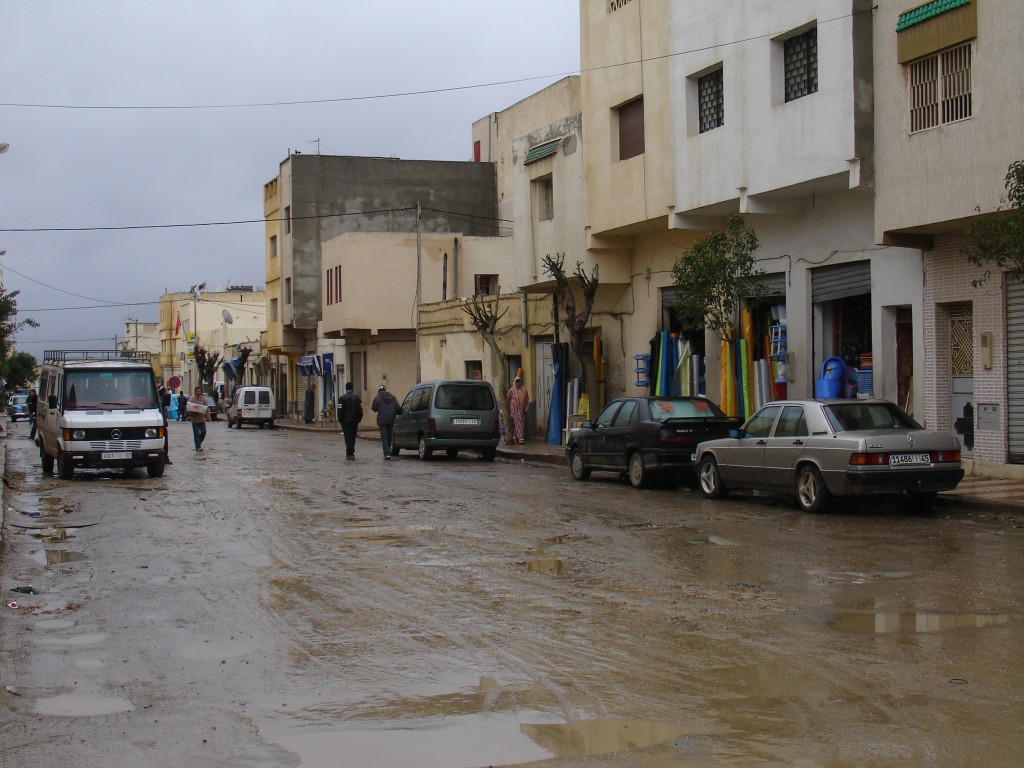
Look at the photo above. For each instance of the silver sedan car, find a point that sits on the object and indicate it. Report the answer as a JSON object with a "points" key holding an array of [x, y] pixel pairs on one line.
{"points": [[814, 450]]}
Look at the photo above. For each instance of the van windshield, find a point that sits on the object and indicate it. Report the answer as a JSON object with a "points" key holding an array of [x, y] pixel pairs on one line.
{"points": [[99, 389], [464, 397]]}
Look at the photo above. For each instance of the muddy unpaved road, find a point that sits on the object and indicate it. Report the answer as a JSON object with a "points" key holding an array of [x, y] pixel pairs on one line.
{"points": [[270, 604]]}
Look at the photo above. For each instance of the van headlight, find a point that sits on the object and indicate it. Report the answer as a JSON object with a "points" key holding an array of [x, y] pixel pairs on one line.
{"points": [[152, 432]]}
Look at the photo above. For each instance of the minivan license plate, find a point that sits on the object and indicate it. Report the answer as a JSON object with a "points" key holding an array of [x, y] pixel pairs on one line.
{"points": [[117, 455], [464, 420], [902, 459]]}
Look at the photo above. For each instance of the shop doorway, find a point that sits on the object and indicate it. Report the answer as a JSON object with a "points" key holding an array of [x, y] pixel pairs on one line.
{"points": [[905, 359], [961, 359]]}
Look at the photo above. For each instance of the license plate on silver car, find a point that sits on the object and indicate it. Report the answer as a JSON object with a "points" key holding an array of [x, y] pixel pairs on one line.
{"points": [[463, 420], [903, 459], [115, 455]]}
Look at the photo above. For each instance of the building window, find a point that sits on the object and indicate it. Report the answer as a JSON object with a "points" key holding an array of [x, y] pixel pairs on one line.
{"points": [[614, 5], [485, 285], [940, 88], [273, 310], [711, 101], [333, 285], [800, 56], [444, 277], [476, 151], [273, 246], [287, 291], [287, 219], [631, 129], [474, 369], [544, 198]]}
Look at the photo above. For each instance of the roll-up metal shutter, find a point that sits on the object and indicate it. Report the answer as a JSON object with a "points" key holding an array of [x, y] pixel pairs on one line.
{"points": [[840, 281], [774, 283], [1015, 371]]}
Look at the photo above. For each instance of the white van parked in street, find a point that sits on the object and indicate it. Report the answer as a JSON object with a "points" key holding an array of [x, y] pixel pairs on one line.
{"points": [[251, 405], [99, 409]]}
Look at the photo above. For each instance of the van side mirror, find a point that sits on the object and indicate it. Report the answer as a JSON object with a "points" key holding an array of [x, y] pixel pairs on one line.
{"points": [[51, 401]]}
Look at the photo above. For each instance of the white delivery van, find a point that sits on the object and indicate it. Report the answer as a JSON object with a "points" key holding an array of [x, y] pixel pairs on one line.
{"points": [[251, 405], [99, 409]]}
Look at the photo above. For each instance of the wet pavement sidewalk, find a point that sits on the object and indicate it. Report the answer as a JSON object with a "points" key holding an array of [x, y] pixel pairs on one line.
{"points": [[992, 492]]}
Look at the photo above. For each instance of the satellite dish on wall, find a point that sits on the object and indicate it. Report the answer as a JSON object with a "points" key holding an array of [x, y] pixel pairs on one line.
{"points": [[227, 316]]}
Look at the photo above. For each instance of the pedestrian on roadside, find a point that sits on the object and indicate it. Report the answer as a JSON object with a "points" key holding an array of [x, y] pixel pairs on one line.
{"points": [[182, 406], [198, 414], [307, 405], [386, 406], [32, 403], [165, 404], [518, 404], [350, 413]]}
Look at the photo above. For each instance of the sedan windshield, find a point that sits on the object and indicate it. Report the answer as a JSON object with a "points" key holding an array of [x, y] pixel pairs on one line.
{"points": [[852, 416]]}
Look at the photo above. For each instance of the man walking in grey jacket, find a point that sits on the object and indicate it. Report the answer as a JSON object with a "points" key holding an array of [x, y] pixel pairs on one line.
{"points": [[386, 407]]}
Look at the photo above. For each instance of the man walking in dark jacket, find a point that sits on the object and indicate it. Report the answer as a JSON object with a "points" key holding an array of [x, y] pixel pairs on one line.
{"points": [[350, 413], [386, 407]]}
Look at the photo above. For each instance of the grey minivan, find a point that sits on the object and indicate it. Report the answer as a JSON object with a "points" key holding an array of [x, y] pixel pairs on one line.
{"points": [[448, 415]]}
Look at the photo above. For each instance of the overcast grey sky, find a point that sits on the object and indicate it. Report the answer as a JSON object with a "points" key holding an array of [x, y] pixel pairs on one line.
{"points": [[90, 154]]}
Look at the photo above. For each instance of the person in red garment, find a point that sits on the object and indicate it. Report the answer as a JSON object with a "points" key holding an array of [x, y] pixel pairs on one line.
{"points": [[518, 403]]}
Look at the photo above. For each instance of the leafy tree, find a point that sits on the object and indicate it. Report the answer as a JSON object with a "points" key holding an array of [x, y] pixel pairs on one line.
{"points": [[485, 317], [9, 326], [577, 319], [715, 274], [20, 369], [996, 241]]}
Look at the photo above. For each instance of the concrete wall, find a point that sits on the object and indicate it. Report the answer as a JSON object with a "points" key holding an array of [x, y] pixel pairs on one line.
{"points": [[933, 178]]}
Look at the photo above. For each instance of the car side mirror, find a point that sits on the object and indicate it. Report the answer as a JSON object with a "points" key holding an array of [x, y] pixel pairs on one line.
{"points": [[737, 434], [587, 424], [51, 401]]}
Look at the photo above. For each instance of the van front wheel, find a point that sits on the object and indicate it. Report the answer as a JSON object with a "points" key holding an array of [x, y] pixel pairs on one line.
{"points": [[65, 466], [156, 468]]}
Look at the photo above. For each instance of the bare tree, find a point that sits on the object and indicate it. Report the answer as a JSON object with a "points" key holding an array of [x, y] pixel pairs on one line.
{"points": [[484, 316], [206, 365], [577, 319]]}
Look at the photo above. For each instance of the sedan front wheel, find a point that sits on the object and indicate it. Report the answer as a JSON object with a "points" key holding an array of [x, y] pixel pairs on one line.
{"points": [[576, 466]]}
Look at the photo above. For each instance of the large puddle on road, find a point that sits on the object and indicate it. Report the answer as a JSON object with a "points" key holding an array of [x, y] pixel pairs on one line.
{"points": [[56, 556], [468, 741], [913, 623], [82, 705]]}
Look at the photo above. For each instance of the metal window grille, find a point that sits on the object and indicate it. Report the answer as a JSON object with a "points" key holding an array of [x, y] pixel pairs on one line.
{"points": [[614, 5], [940, 88], [800, 54], [711, 101]]}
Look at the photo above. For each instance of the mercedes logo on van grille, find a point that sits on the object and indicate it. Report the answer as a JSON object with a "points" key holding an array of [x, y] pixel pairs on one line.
{"points": [[115, 434]]}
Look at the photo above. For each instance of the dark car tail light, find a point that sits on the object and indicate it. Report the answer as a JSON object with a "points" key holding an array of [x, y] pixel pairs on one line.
{"points": [[946, 457], [431, 425], [497, 428], [669, 437], [869, 459]]}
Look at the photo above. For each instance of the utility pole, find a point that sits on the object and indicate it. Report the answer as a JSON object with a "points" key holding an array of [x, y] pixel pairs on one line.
{"points": [[416, 314]]}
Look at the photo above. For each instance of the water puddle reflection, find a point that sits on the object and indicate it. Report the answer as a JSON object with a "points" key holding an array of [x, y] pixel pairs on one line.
{"points": [[82, 705], [56, 556], [582, 738], [918, 623], [548, 566]]}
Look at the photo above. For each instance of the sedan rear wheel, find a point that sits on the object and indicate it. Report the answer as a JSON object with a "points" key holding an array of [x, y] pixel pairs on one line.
{"points": [[710, 480], [576, 467], [811, 493], [638, 476]]}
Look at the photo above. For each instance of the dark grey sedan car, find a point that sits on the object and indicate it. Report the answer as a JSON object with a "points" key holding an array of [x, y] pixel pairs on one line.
{"points": [[645, 437], [814, 450]]}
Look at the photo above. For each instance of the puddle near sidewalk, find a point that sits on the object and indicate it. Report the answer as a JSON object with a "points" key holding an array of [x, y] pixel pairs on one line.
{"points": [[918, 623], [56, 556], [470, 741], [82, 705], [77, 641]]}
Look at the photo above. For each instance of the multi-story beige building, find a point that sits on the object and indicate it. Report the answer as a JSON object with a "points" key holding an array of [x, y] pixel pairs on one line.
{"points": [[219, 321], [949, 110], [144, 337]]}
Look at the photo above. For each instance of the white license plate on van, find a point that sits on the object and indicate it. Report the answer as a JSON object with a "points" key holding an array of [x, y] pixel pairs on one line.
{"points": [[465, 420], [116, 455]]}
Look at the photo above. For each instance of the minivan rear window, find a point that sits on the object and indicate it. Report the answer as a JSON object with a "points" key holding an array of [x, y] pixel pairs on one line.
{"points": [[464, 397]]}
